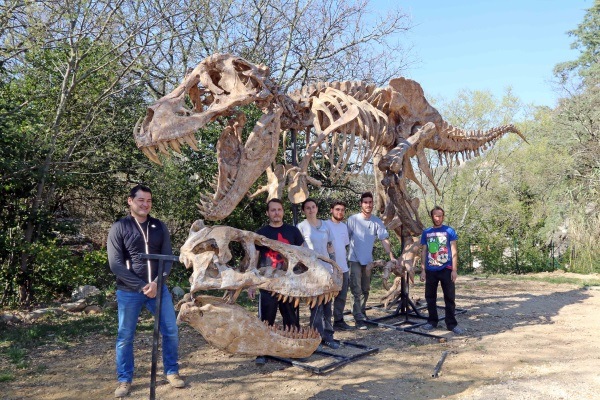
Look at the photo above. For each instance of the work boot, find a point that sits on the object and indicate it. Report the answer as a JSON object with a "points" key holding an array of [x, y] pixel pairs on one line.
{"points": [[176, 381], [123, 389]]}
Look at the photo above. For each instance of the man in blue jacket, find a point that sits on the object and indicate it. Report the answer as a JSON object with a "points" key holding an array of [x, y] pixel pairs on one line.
{"points": [[128, 239]]}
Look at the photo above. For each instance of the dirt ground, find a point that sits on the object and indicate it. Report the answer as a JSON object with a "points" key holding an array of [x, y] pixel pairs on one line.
{"points": [[524, 340]]}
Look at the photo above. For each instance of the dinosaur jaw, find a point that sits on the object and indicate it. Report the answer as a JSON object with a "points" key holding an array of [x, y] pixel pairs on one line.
{"points": [[230, 328], [241, 164], [216, 88]]}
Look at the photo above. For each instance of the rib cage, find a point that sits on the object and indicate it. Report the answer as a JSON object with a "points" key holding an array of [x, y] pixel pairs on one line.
{"points": [[348, 132]]}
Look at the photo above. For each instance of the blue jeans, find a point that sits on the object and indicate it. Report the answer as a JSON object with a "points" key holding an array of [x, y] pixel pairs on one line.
{"points": [[130, 305]]}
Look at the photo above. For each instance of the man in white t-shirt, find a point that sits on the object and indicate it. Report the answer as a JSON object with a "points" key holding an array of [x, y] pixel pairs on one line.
{"points": [[341, 239], [364, 228]]}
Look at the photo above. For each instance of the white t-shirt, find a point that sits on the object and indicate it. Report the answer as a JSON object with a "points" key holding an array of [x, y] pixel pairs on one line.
{"points": [[339, 231], [317, 239]]}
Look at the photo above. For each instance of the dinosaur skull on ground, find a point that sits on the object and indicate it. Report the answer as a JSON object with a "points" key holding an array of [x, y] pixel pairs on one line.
{"points": [[302, 276]]}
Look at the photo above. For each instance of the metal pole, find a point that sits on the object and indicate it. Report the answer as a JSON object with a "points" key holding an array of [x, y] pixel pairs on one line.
{"points": [[438, 367], [159, 282]]}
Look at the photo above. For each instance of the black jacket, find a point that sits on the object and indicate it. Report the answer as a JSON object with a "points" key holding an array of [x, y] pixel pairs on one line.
{"points": [[126, 243]]}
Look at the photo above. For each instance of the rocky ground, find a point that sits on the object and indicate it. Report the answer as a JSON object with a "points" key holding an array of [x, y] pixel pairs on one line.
{"points": [[525, 340]]}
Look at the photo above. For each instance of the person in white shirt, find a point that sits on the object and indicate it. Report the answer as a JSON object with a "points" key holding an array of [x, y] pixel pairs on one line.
{"points": [[364, 228], [341, 239], [318, 237]]}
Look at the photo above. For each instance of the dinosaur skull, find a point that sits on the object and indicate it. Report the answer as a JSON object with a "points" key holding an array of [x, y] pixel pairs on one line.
{"points": [[217, 87], [303, 276]]}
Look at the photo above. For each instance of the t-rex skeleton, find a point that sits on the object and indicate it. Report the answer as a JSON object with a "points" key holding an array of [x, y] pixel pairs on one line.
{"points": [[347, 124]]}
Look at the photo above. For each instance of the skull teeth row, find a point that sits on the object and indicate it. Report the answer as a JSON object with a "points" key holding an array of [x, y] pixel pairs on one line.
{"points": [[293, 332], [311, 301], [163, 147]]}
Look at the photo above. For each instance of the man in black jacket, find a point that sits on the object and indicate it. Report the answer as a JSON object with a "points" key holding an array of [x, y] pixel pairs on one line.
{"points": [[128, 239]]}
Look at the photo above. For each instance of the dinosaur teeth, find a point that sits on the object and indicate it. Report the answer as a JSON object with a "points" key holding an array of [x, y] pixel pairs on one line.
{"points": [[297, 302], [151, 154], [191, 141], [320, 300], [163, 149], [175, 146]]}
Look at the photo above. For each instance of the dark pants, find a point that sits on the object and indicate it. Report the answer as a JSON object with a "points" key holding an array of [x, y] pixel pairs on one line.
{"points": [[320, 319], [267, 310], [444, 277], [360, 284], [339, 303]]}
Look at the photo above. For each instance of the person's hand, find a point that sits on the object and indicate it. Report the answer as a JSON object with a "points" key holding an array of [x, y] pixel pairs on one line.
{"points": [[251, 293], [150, 290], [454, 275], [422, 276]]}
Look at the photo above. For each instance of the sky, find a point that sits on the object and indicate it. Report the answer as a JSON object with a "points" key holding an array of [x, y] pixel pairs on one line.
{"points": [[490, 44]]}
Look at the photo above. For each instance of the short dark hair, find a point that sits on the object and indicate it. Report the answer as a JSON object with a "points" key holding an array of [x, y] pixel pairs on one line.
{"points": [[137, 188], [365, 195], [338, 203], [275, 200], [436, 208], [308, 200]]}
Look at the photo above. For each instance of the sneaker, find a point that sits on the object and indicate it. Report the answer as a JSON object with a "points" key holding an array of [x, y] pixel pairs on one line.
{"points": [[343, 326], [361, 325], [176, 381], [123, 389], [428, 327], [458, 330], [332, 344], [260, 361]]}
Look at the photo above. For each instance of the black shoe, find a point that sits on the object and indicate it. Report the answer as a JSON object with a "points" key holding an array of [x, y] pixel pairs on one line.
{"points": [[343, 326], [361, 325], [332, 344], [260, 361]]}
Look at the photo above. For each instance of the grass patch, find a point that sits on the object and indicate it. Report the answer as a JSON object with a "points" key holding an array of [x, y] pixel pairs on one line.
{"points": [[15, 341], [6, 377]]}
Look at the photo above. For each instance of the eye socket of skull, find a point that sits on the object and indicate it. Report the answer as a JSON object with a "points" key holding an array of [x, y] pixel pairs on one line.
{"points": [[207, 245], [239, 258], [299, 268]]}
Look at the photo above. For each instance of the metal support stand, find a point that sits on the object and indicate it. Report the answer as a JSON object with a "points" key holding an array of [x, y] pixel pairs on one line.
{"points": [[407, 308], [159, 281], [340, 360]]}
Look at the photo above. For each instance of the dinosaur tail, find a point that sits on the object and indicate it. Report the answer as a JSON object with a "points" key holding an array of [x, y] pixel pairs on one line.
{"points": [[454, 143]]}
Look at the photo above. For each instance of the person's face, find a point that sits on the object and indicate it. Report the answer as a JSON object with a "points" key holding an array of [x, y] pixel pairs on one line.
{"points": [[437, 217], [275, 213], [140, 205], [338, 212], [310, 209], [366, 205]]}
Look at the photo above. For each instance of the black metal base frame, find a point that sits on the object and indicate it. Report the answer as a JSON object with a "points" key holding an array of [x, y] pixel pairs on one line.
{"points": [[339, 360], [407, 308]]}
